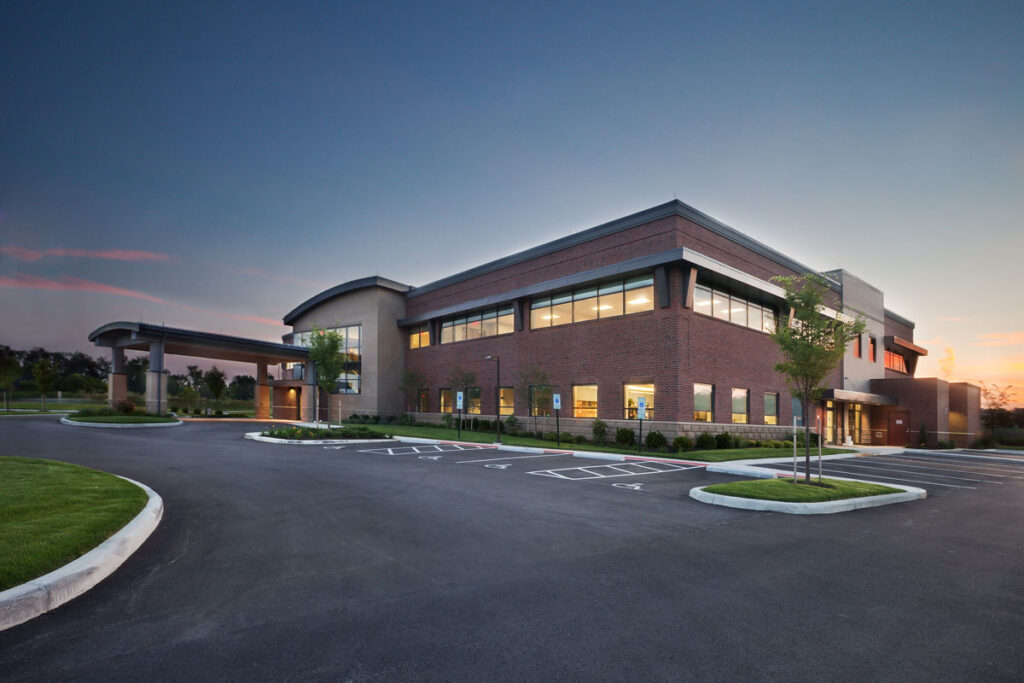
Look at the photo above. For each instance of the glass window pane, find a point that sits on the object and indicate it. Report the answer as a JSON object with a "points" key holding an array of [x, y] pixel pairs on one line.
{"points": [[610, 287], [754, 317], [769, 321], [584, 400], [738, 311], [561, 298], [490, 325], [507, 398], [540, 401], [460, 330], [771, 409], [446, 400], [739, 405], [638, 300], [425, 337], [632, 393], [540, 317], [702, 402], [474, 327], [581, 294], [639, 282], [414, 339], [506, 324], [720, 305], [473, 403], [447, 333], [584, 309], [610, 305], [561, 314], [702, 300]]}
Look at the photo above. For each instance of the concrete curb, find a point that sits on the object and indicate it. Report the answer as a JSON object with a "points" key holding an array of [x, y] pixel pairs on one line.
{"points": [[829, 507], [29, 600], [258, 436], [114, 425]]}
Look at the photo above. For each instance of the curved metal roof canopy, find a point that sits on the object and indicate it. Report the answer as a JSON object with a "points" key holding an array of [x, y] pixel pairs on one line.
{"points": [[139, 336]]}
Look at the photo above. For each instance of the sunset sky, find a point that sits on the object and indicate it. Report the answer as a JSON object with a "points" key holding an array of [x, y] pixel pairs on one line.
{"points": [[211, 165]]}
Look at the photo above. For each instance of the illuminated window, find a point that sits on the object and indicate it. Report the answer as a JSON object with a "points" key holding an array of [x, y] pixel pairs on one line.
{"points": [[445, 399], [703, 402], [609, 300], [798, 412], [473, 403], [423, 401], [639, 293], [735, 309], [771, 409], [720, 305], [584, 400], [507, 400], [631, 398], [895, 361], [738, 311], [584, 305], [755, 317], [871, 350], [419, 336], [540, 313], [702, 300], [740, 405], [349, 381], [478, 325], [540, 401], [561, 309], [856, 347]]}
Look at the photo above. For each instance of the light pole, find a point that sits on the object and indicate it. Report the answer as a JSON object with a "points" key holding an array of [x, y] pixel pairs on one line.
{"points": [[497, 399]]}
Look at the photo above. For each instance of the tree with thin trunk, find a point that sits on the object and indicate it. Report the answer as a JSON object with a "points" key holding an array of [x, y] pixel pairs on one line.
{"points": [[812, 344], [411, 384], [533, 381], [461, 380], [44, 374], [216, 382], [325, 351], [10, 370], [996, 398]]}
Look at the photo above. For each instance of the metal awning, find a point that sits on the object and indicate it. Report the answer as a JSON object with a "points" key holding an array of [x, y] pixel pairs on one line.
{"points": [[905, 345], [859, 397], [139, 336]]}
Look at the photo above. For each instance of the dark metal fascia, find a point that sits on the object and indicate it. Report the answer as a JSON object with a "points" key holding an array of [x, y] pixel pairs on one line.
{"points": [[899, 318], [621, 268], [672, 208], [859, 397], [144, 332], [344, 288]]}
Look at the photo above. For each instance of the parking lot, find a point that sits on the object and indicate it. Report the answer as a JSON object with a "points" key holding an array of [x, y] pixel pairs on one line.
{"points": [[394, 561], [936, 472]]}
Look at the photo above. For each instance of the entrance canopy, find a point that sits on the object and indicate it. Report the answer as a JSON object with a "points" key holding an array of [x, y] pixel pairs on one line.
{"points": [[143, 336]]}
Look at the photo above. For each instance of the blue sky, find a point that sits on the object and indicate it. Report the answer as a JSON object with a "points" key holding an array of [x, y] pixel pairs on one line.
{"points": [[262, 152]]}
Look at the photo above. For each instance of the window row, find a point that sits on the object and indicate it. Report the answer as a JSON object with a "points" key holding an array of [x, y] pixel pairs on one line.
{"points": [[349, 381], [895, 361], [482, 324], [606, 300], [704, 405], [471, 403], [735, 309], [419, 336]]}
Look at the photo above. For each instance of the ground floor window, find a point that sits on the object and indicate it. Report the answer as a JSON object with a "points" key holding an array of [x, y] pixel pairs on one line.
{"points": [[631, 400], [423, 401], [771, 409], [446, 400], [506, 401], [473, 403], [584, 400], [740, 403], [540, 401], [703, 403]]}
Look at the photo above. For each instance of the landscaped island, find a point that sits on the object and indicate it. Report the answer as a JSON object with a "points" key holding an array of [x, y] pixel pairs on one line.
{"points": [[784, 490]]}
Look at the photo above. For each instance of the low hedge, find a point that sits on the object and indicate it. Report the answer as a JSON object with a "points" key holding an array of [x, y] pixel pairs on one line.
{"points": [[312, 433]]}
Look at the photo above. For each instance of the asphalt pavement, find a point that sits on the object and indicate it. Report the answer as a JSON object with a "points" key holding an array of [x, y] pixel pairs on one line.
{"points": [[281, 563]]}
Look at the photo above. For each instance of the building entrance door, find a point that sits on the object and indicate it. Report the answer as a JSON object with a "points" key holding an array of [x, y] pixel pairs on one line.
{"points": [[899, 428]]}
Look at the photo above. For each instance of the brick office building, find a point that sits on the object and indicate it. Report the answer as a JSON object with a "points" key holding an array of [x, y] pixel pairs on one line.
{"points": [[667, 304]]}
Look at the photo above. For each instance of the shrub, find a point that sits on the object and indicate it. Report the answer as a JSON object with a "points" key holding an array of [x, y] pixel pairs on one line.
{"points": [[922, 436], [126, 407], [624, 436], [706, 442], [406, 419], [447, 420], [1010, 436], [196, 412], [599, 432], [723, 440], [219, 413], [787, 444], [682, 443], [800, 439], [567, 437], [655, 440], [174, 409], [483, 425], [511, 424], [580, 438], [376, 419], [984, 443], [550, 436], [946, 445]]}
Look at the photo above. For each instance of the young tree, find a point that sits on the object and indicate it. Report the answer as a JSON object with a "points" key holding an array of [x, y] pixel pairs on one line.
{"points": [[812, 346], [412, 382], [325, 351], [215, 380], [188, 397], [44, 374], [996, 398], [10, 370], [195, 376], [461, 380], [242, 388]]}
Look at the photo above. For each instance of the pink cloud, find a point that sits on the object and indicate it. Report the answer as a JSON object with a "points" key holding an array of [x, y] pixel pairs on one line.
{"points": [[1000, 339], [32, 255], [71, 284]]}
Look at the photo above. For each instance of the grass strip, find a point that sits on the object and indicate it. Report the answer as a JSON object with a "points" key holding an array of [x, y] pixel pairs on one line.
{"points": [[122, 419], [52, 513], [445, 434], [786, 491]]}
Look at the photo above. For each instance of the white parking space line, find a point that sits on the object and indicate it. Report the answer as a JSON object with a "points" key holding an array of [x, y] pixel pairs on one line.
{"points": [[428, 448], [889, 468], [611, 471], [992, 469], [861, 475], [513, 457]]}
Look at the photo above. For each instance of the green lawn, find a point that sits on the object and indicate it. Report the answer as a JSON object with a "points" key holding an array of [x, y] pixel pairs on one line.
{"points": [[122, 419], [1011, 448], [488, 437], [51, 405], [786, 491], [52, 512]]}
